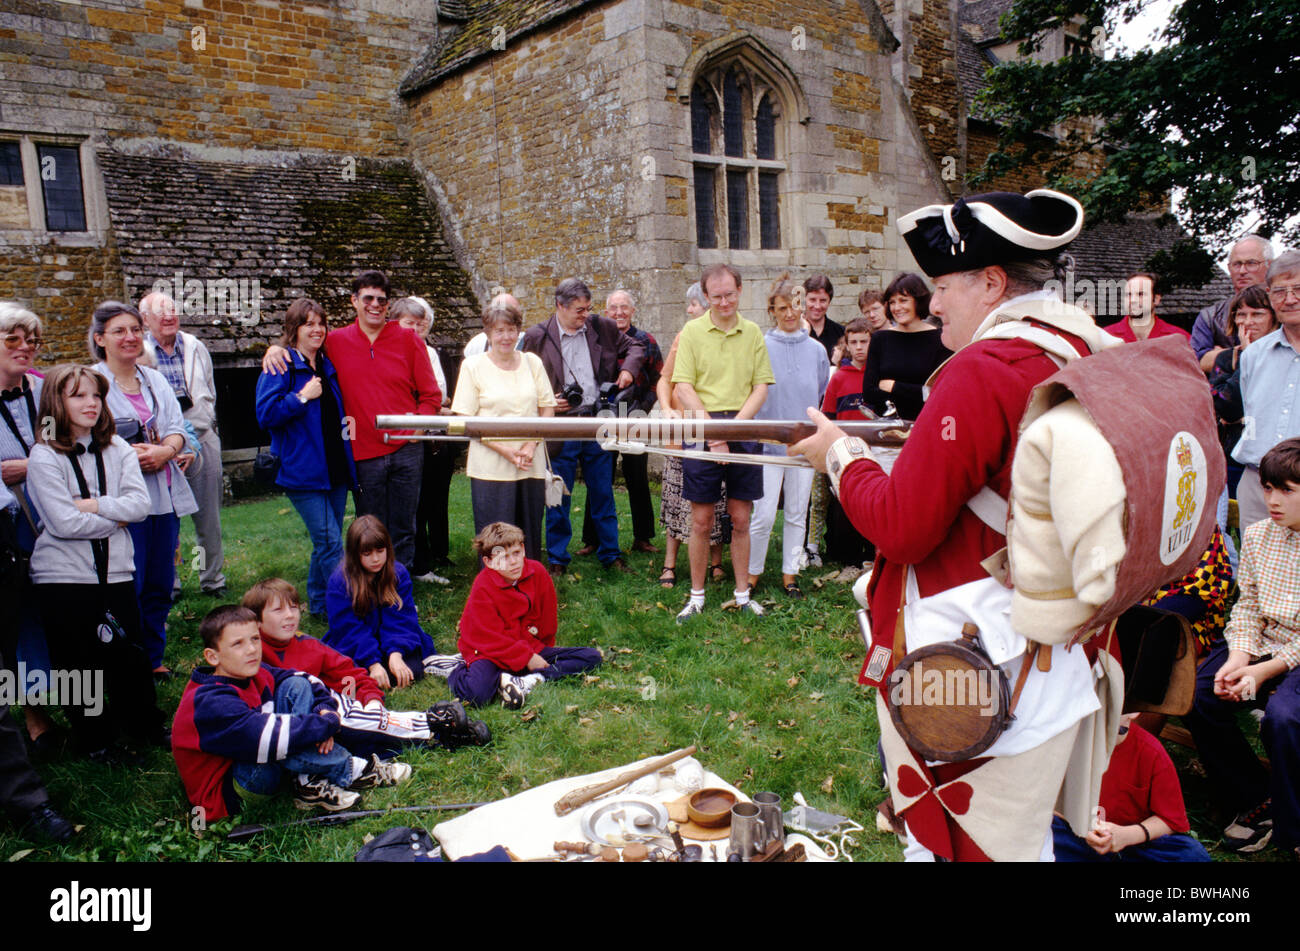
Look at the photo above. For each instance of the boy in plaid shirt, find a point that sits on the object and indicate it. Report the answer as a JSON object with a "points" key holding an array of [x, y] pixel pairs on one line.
{"points": [[1257, 665]]}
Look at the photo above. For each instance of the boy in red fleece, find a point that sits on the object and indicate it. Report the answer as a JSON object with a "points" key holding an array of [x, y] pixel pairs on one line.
{"points": [[843, 400], [507, 631], [366, 724]]}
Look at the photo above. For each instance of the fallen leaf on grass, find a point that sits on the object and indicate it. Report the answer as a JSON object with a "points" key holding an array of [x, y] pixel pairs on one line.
{"points": [[746, 640], [571, 708], [590, 679], [282, 512], [625, 650], [777, 755], [732, 716], [816, 696], [585, 721], [661, 606], [828, 784], [786, 724], [793, 681], [20, 855], [616, 709], [529, 714]]}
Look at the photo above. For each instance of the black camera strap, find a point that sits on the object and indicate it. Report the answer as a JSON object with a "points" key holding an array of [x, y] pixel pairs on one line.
{"points": [[98, 545]]}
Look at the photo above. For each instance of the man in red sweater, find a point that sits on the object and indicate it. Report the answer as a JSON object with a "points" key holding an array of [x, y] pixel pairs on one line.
{"points": [[507, 632], [382, 368]]}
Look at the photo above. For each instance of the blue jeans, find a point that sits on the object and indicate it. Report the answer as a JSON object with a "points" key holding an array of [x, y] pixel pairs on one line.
{"points": [[322, 513], [263, 779], [1175, 847], [155, 541], [390, 491], [598, 474]]}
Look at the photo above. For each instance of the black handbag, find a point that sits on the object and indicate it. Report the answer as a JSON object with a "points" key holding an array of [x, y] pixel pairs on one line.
{"points": [[266, 468]]}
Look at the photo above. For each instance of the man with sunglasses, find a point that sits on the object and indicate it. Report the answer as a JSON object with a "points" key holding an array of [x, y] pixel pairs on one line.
{"points": [[382, 368], [185, 362], [1270, 386]]}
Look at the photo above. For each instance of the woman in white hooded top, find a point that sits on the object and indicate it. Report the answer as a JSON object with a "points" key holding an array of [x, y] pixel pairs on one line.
{"points": [[87, 486]]}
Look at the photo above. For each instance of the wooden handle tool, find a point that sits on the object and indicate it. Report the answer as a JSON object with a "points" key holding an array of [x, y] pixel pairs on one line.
{"points": [[578, 797]]}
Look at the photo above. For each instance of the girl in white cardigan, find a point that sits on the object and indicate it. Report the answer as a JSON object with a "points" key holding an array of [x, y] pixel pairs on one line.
{"points": [[86, 483]]}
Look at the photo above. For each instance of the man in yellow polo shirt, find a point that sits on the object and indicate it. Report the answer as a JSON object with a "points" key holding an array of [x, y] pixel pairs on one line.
{"points": [[722, 369]]}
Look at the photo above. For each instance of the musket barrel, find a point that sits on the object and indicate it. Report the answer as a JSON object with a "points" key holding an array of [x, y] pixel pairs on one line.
{"points": [[650, 430]]}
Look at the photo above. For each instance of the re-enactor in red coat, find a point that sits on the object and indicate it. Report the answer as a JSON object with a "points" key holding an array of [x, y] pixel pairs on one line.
{"points": [[919, 515]]}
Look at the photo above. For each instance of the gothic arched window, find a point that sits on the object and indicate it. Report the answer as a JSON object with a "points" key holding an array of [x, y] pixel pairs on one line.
{"points": [[736, 144]]}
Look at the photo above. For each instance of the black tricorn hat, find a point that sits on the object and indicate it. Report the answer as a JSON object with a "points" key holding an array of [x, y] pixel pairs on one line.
{"points": [[994, 228]]}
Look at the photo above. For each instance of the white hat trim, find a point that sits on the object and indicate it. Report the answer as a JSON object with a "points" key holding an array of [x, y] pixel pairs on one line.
{"points": [[1000, 224]]}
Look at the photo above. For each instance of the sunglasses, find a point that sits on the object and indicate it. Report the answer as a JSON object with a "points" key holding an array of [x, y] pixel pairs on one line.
{"points": [[373, 299], [16, 341]]}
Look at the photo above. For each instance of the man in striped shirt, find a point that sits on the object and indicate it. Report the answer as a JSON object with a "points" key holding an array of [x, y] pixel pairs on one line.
{"points": [[1257, 665]]}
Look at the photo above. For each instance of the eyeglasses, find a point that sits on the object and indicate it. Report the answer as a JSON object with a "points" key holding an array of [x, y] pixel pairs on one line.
{"points": [[1279, 293], [17, 341], [1250, 265], [124, 331], [369, 299]]}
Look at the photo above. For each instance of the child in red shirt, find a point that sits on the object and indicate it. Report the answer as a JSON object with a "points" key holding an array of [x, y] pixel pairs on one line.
{"points": [[1141, 816], [843, 400], [367, 725], [507, 631]]}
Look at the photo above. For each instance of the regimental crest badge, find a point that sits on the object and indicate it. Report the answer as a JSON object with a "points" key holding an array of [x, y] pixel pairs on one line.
{"points": [[1186, 477]]}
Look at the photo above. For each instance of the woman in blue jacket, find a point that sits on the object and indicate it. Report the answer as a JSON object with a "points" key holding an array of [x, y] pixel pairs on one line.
{"points": [[303, 411]]}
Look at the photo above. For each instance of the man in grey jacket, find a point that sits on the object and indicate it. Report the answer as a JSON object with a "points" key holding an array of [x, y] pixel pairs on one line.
{"points": [[185, 362]]}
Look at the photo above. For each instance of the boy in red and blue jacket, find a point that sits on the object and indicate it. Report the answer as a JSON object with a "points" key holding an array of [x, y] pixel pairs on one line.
{"points": [[241, 725], [507, 631], [368, 727]]}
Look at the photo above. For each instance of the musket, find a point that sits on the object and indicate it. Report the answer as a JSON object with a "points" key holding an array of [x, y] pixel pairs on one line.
{"points": [[639, 434], [244, 832]]}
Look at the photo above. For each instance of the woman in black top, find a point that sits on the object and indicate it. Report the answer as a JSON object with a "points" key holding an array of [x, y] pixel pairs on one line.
{"points": [[901, 360]]}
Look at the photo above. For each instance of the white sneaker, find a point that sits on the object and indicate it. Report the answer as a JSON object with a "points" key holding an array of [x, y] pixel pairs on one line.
{"points": [[813, 557], [688, 612], [432, 578], [514, 690], [380, 772], [322, 793], [751, 607], [441, 665]]}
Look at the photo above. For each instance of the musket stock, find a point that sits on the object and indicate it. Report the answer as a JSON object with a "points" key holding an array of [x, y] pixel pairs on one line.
{"points": [[647, 430]]}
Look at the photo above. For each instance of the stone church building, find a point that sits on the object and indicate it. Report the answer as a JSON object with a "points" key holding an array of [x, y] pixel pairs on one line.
{"points": [[246, 152]]}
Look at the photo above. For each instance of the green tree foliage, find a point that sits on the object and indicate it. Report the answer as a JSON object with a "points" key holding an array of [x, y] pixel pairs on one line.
{"points": [[1214, 111]]}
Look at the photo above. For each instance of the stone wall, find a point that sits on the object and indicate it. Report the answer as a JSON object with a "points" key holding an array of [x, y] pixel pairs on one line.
{"points": [[244, 73], [568, 152]]}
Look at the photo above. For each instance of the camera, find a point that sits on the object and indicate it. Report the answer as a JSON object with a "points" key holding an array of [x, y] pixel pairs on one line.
{"points": [[572, 394], [130, 430], [611, 396]]}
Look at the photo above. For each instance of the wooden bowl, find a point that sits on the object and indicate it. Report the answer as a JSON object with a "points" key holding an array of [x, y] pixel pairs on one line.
{"points": [[711, 807]]}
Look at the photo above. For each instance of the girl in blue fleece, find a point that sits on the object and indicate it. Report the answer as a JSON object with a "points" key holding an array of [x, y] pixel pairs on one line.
{"points": [[372, 609], [802, 371]]}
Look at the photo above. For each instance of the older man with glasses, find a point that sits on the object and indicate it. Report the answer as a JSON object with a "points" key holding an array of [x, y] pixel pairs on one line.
{"points": [[1270, 386], [1247, 264]]}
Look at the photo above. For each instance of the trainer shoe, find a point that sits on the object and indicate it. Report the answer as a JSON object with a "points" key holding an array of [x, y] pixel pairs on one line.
{"points": [[432, 578], [323, 793], [446, 716], [812, 558], [475, 734], [752, 608], [514, 690], [380, 772], [44, 822], [441, 665], [1250, 830], [688, 612]]}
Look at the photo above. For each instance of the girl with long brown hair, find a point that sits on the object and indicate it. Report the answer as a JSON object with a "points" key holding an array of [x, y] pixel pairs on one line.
{"points": [[86, 483], [371, 608]]}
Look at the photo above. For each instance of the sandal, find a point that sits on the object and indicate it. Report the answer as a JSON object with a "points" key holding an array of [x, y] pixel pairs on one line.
{"points": [[669, 577], [792, 589], [717, 573]]}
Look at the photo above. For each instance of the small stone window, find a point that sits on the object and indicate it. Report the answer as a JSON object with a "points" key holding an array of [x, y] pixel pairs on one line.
{"points": [[47, 190], [736, 146]]}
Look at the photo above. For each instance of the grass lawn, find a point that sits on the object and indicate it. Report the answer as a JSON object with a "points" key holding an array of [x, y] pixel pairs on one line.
{"points": [[773, 703]]}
